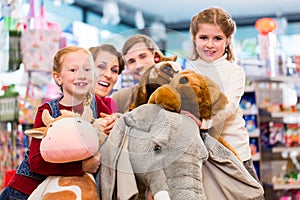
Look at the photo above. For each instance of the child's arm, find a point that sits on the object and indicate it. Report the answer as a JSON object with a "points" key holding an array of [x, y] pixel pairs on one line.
{"points": [[198, 121]]}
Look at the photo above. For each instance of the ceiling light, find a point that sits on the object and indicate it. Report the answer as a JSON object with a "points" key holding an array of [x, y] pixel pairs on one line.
{"points": [[110, 13], [158, 31], [139, 19]]}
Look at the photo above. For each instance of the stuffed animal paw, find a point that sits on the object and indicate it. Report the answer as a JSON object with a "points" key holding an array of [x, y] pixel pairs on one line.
{"points": [[167, 97]]}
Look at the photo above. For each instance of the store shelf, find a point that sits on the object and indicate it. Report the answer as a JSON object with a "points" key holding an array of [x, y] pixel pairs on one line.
{"points": [[286, 79], [255, 133], [285, 114], [249, 89], [256, 157], [286, 186], [285, 149], [250, 111], [278, 78]]}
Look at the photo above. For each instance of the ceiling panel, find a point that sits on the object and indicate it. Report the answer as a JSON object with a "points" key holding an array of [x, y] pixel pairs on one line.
{"points": [[176, 14], [172, 11]]}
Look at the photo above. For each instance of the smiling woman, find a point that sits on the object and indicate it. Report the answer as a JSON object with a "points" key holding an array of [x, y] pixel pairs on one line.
{"points": [[110, 64]]}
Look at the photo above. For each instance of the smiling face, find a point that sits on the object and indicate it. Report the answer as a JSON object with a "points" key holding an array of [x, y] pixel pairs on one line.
{"points": [[210, 42], [75, 76], [107, 65], [137, 58]]}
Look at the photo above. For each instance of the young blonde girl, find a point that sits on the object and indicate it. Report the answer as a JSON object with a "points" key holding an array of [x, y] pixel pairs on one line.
{"points": [[74, 73], [212, 32]]}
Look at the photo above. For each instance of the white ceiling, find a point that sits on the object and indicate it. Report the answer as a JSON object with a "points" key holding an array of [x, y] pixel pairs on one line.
{"points": [[176, 14], [172, 11]]}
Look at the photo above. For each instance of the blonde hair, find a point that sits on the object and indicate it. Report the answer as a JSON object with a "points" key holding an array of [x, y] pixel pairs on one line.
{"points": [[216, 16], [57, 66], [59, 56]]}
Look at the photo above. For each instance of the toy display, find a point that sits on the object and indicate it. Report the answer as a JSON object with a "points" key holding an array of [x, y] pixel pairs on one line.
{"points": [[58, 146], [253, 146], [277, 136], [251, 123], [248, 103], [186, 91], [292, 135]]}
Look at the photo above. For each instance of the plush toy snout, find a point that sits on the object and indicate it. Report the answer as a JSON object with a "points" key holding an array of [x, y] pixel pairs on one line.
{"points": [[66, 138], [183, 80]]}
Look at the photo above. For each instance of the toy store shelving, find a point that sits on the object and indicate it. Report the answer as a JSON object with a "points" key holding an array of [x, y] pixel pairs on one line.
{"points": [[13, 141], [250, 114], [279, 136]]}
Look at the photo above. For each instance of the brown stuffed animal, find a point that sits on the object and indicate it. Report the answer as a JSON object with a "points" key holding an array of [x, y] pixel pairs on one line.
{"points": [[192, 92], [155, 76], [195, 93]]}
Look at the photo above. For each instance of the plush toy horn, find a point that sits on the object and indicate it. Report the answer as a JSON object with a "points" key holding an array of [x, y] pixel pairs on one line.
{"points": [[46, 117]]}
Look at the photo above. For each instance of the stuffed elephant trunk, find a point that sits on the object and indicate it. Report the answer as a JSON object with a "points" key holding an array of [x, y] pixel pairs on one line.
{"points": [[180, 180]]}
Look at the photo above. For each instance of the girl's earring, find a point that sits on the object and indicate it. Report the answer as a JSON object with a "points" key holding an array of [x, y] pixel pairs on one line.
{"points": [[226, 49]]}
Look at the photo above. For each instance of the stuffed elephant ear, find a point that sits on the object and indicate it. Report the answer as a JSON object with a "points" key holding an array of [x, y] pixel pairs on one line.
{"points": [[222, 164], [166, 97], [115, 177]]}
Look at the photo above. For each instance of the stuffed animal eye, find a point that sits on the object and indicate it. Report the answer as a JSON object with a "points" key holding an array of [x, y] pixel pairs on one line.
{"points": [[183, 80], [157, 149], [168, 70]]}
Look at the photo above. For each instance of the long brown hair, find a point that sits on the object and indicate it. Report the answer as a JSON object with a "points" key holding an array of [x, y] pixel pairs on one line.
{"points": [[111, 49], [216, 16]]}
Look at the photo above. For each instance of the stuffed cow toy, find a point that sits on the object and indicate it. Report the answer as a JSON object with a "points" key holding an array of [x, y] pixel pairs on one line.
{"points": [[66, 138]]}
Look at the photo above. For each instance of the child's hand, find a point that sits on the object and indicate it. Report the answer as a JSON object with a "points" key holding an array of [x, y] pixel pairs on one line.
{"points": [[198, 121], [91, 164]]}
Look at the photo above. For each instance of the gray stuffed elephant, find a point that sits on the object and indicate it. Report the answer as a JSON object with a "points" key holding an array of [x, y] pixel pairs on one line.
{"points": [[151, 148]]}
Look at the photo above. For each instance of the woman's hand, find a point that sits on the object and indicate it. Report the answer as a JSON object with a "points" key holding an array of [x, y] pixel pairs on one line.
{"points": [[107, 122]]}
